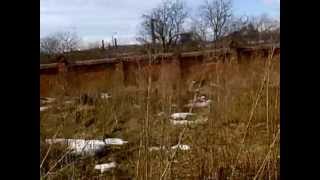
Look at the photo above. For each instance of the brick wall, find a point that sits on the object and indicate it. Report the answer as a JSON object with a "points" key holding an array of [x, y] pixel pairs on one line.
{"points": [[132, 71]]}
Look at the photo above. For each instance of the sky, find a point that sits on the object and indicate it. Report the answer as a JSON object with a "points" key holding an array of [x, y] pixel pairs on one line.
{"points": [[94, 20]]}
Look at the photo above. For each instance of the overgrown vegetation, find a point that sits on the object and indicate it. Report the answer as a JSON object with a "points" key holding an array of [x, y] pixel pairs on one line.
{"points": [[238, 137], [239, 140]]}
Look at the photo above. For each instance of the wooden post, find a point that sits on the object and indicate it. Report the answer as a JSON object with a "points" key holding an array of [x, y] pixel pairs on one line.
{"points": [[102, 44], [115, 43]]}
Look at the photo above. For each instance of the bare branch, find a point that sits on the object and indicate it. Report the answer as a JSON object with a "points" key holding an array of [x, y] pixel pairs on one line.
{"points": [[164, 23], [59, 42], [217, 13]]}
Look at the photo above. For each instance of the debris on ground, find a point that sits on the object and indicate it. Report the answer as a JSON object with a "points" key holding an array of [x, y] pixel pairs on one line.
{"points": [[200, 120], [47, 100], [44, 108], [105, 96], [105, 167], [182, 115], [87, 147], [160, 114], [182, 147], [200, 102]]}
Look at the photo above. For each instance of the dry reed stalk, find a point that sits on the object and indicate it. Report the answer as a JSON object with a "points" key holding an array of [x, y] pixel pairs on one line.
{"points": [[258, 96], [179, 143], [267, 156], [184, 129], [57, 162], [64, 167], [139, 156], [267, 103], [147, 119], [47, 153]]}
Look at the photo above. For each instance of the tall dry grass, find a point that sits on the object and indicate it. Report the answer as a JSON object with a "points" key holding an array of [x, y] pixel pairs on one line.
{"points": [[239, 141]]}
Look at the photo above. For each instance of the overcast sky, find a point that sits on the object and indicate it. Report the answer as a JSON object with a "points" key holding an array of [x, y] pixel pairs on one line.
{"points": [[94, 20]]}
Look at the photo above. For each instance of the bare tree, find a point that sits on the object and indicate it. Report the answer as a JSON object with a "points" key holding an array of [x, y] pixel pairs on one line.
{"points": [[164, 23], [236, 23], [268, 28], [200, 29], [59, 42], [217, 13], [69, 41], [49, 45]]}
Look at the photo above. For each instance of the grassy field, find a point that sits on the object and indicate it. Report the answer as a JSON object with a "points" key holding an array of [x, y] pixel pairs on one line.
{"points": [[239, 140]]}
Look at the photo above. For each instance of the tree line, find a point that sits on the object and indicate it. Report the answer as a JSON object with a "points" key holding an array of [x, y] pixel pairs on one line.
{"points": [[169, 22], [215, 19]]}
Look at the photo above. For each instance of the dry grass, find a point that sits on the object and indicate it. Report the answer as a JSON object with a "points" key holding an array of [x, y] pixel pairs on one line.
{"points": [[239, 140]]}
